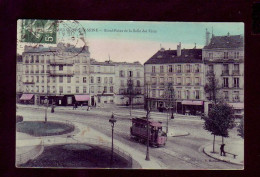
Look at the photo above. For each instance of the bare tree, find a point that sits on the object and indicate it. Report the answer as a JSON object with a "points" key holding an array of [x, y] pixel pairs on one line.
{"points": [[212, 88]]}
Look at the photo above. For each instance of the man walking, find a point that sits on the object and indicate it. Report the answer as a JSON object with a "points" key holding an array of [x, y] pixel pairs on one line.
{"points": [[222, 151]]}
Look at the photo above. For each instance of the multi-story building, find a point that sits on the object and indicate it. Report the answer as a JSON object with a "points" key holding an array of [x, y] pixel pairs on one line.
{"points": [[184, 69], [129, 83], [102, 81], [65, 76], [224, 56], [57, 73], [19, 81]]}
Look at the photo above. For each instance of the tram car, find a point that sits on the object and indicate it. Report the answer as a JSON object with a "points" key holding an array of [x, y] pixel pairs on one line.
{"points": [[138, 131]]}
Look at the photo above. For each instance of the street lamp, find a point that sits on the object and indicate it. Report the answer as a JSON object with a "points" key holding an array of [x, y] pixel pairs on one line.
{"points": [[112, 120], [46, 101]]}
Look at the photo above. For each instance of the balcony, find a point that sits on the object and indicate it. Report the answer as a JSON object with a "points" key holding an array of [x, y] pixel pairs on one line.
{"points": [[61, 62], [225, 73], [29, 82], [235, 73], [210, 72], [178, 71], [61, 73], [236, 86]]}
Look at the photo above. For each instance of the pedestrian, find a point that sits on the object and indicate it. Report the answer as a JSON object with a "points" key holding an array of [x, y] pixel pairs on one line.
{"points": [[52, 108], [222, 151]]}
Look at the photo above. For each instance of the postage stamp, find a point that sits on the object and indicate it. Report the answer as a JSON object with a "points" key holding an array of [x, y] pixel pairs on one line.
{"points": [[39, 31]]}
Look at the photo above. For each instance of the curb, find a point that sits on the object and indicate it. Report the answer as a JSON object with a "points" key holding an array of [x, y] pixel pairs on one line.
{"points": [[227, 161]]}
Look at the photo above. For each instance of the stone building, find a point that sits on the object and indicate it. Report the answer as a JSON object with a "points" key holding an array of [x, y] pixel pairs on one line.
{"points": [[19, 81], [224, 56], [185, 70], [58, 73]]}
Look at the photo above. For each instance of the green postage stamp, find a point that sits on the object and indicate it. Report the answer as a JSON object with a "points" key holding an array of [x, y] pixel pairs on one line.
{"points": [[39, 31]]}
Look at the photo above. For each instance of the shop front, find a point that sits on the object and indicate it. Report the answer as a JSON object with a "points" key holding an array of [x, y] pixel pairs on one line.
{"points": [[27, 98], [81, 100], [190, 107], [238, 109]]}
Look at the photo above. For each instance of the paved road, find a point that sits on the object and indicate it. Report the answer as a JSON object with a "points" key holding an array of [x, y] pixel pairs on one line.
{"points": [[179, 153]]}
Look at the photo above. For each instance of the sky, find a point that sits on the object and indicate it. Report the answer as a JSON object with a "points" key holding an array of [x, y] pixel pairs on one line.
{"points": [[138, 41]]}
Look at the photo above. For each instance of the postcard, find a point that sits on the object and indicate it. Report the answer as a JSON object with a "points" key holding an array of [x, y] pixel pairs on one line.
{"points": [[129, 95]]}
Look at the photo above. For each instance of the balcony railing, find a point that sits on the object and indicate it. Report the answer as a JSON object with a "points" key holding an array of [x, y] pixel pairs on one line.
{"points": [[178, 71], [236, 72], [225, 72], [225, 86], [61, 62], [236, 86], [61, 73], [29, 82]]}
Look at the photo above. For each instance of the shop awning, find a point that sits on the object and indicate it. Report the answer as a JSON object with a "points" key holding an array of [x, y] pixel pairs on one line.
{"points": [[189, 102], [26, 97], [82, 97], [155, 124], [237, 105]]}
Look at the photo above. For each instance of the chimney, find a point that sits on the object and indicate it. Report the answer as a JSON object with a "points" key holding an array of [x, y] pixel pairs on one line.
{"points": [[207, 37], [179, 50]]}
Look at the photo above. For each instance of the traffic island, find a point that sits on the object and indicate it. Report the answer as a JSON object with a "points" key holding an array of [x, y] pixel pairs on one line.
{"points": [[77, 156], [40, 128]]}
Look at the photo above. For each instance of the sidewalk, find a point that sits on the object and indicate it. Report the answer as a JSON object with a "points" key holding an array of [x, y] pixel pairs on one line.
{"points": [[234, 147]]}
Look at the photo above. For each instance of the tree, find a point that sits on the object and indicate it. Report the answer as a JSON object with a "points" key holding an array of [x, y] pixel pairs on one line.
{"points": [[131, 93], [240, 129], [212, 88], [219, 120]]}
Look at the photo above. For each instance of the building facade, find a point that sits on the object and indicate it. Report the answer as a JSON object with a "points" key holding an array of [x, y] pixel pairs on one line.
{"points": [[184, 69], [224, 56], [55, 73], [19, 80]]}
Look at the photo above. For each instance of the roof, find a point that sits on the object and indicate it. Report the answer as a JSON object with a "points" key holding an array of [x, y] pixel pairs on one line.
{"points": [[170, 56], [111, 63], [234, 41]]}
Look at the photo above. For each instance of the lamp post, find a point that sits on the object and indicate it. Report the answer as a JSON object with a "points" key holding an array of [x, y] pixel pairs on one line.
{"points": [[112, 120], [46, 99]]}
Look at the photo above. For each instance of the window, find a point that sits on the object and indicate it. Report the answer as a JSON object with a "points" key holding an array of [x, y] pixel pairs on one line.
{"points": [[225, 55], [161, 69], [170, 80], [122, 83], [236, 96], [105, 80], [48, 69], [92, 79], [32, 69], [42, 79], [42, 71], [226, 95], [197, 68], [61, 89], [130, 73], [48, 59], [236, 69], [187, 94], [37, 79], [197, 81], [188, 68], [84, 89], [37, 88], [153, 93], [236, 82], [32, 78], [92, 89], [210, 55], [42, 89], [91, 69], [111, 80], [153, 80], [178, 68], [121, 91], [53, 89], [178, 80], [54, 79], [48, 89], [99, 89], [225, 82], [84, 69], [111, 89], [179, 94], [197, 94], [153, 69], [60, 68], [61, 79], [69, 89], [99, 100], [138, 73], [77, 89], [32, 59], [105, 89], [32, 89], [161, 80], [98, 79], [48, 79], [84, 80], [188, 81], [236, 54], [138, 83], [170, 69], [77, 79], [68, 79]]}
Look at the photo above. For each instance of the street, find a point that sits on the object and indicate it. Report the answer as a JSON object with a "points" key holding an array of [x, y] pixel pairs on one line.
{"points": [[184, 152]]}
